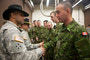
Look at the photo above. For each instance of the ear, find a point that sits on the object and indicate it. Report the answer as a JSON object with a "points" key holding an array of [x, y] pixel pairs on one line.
{"points": [[68, 10]]}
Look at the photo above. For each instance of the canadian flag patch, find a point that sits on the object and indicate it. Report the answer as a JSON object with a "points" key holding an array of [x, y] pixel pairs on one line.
{"points": [[84, 33]]}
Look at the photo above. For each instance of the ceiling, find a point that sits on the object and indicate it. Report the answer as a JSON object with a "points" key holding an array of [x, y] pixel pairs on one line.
{"points": [[36, 2], [52, 2], [39, 1]]}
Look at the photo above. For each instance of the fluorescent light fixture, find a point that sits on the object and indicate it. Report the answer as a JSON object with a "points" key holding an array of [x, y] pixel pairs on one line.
{"points": [[77, 3], [88, 6], [64, 0], [47, 3]]}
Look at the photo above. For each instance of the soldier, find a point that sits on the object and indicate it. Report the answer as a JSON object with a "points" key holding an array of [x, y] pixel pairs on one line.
{"points": [[33, 32], [45, 23], [50, 51], [55, 20], [25, 36], [42, 33], [12, 45], [72, 43], [53, 17]]}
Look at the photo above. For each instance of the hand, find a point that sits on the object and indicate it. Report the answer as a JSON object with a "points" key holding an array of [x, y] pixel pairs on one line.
{"points": [[32, 40], [43, 50], [43, 54], [37, 39], [41, 44]]}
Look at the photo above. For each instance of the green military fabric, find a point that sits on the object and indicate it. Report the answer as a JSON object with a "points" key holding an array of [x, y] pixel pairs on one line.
{"points": [[42, 34], [55, 38], [57, 28], [50, 51], [33, 33], [68, 37], [67, 48]]}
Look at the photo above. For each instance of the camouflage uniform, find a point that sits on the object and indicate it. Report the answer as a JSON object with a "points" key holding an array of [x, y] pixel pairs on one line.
{"points": [[50, 51], [42, 34], [70, 43], [12, 45], [27, 41], [57, 28], [39, 32], [33, 33]]}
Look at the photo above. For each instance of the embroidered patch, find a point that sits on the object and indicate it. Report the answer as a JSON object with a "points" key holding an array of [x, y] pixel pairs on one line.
{"points": [[84, 33], [18, 39]]}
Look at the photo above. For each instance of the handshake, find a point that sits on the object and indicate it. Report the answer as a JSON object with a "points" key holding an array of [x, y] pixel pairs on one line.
{"points": [[42, 47]]}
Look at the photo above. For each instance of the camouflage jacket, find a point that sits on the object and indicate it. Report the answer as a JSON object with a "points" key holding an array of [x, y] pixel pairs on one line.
{"points": [[50, 51], [33, 33], [57, 28], [70, 43], [12, 45], [42, 34]]}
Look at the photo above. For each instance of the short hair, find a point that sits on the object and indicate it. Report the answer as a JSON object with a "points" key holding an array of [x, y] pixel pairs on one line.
{"points": [[38, 20], [66, 5], [45, 21], [53, 12], [34, 21]]}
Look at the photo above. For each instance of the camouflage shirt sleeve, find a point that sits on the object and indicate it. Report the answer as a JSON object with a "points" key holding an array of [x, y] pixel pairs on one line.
{"points": [[82, 43]]}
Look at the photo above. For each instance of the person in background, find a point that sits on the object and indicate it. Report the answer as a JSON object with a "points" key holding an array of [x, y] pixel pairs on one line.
{"points": [[55, 20], [88, 30], [33, 32], [45, 23], [26, 37], [50, 51]]}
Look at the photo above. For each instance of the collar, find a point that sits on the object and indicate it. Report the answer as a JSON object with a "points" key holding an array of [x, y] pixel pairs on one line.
{"points": [[14, 25], [69, 26]]}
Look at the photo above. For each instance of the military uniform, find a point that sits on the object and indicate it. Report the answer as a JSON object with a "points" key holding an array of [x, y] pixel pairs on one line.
{"points": [[33, 33], [57, 28], [50, 51], [12, 45], [42, 34], [27, 40], [70, 43]]}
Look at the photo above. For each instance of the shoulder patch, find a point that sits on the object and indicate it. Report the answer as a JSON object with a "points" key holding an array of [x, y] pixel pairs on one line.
{"points": [[84, 33], [18, 39]]}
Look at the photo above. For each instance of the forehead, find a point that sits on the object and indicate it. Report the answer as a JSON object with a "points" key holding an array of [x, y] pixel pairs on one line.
{"points": [[38, 21], [44, 22], [52, 14], [17, 12]]}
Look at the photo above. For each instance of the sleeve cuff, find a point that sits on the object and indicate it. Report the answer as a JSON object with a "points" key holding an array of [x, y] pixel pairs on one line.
{"points": [[39, 52]]}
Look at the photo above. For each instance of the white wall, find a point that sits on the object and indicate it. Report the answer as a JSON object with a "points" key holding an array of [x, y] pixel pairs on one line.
{"points": [[37, 15], [78, 15]]}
